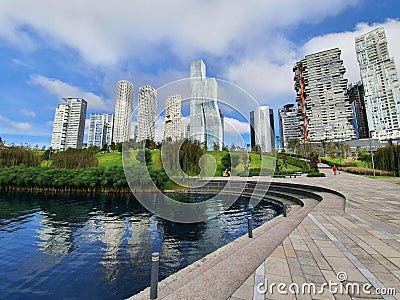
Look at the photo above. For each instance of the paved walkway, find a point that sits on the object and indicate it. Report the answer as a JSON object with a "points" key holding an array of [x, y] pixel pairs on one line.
{"points": [[357, 248], [351, 248]]}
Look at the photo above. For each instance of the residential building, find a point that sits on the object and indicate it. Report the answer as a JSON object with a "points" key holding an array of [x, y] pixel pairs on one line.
{"points": [[381, 84], [69, 124], [289, 120], [123, 111], [326, 113], [173, 117], [261, 132], [355, 92], [147, 105], [205, 118], [100, 130]]}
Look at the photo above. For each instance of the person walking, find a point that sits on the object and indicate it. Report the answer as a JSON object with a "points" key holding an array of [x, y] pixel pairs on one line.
{"points": [[334, 169]]}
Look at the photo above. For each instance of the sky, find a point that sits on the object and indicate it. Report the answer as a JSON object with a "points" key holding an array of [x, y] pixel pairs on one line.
{"points": [[53, 49]]}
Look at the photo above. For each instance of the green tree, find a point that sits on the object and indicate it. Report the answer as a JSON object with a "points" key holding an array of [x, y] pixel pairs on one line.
{"points": [[293, 145]]}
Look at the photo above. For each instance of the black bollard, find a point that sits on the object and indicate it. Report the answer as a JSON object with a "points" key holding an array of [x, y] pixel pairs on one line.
{"points": [[155, 259], [250, 226], [284, 210]]}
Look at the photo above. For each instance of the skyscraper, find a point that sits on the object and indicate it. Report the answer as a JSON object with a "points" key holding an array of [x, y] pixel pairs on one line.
{"points": [[69, 124], [260, 129], [381, 84], [100, 130], [123, 111], [147, 105], [325, 110], [205, 119], [355, 92], [289, 121], [173, 117]]}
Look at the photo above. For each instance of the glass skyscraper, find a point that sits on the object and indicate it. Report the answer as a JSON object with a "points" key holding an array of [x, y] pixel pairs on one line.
{"points": [[205, 118], [100, 130]]}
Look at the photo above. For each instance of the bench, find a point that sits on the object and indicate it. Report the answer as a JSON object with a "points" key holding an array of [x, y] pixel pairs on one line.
{"points": [[285, 175]]}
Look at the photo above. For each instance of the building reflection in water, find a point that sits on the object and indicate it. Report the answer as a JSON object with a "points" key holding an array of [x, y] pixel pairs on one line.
{"points": [[56, 237]]}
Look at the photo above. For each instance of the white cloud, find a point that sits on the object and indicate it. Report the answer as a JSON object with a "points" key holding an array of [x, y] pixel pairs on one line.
{"points": [[20, 126], [116, 30], [62, 89], [28, 113], [235, 127], [262, 78]]}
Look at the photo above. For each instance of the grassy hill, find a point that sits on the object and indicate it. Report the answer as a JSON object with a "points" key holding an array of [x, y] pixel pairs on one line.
{"points": [[266, 163]]}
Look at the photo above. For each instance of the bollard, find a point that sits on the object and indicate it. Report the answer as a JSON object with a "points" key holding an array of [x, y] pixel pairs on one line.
{"points": [[284, 210], [250, 226], [155, 259]]}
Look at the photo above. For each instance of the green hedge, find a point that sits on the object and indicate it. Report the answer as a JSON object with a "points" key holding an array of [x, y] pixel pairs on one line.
{"points": [[316, 174], [91, 179]]}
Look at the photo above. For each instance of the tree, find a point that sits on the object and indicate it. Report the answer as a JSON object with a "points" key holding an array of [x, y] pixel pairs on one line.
{"points": [[216, 147], [293, 145], [226, 161], [150, 144], [104, 148], [144, 156], [15, 156], [118, 146], [246, 161], [94, 149], [1, 142]]}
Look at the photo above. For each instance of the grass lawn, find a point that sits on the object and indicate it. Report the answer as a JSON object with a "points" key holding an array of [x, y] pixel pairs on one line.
{"points": [[110, 159], [211, 164]]}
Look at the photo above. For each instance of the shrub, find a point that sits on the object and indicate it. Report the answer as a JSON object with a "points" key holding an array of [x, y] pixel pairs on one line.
{"points": [[365, 171], [316, 174]]}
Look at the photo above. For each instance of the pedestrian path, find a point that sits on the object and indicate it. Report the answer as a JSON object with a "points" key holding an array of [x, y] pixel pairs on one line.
{"points": [[330, 250], [357, 250]]}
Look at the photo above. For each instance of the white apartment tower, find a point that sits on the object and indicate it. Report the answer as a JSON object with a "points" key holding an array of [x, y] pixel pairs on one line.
{"points": [[146, 120], [381, 84], [173, 117], [320, 86], [205, 118], [123, 111], [69, 124], [100, 129]]}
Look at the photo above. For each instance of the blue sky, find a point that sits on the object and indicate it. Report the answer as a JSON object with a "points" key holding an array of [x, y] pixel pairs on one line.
{"points": [[82, 48]]}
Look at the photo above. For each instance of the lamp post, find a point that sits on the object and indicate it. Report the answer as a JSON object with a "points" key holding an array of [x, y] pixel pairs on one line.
{"points": [[370, 149]]}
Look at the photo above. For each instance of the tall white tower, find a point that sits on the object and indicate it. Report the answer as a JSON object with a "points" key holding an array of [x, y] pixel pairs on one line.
{"points": [[123, 111], [381, 84], [205, 118], [173, 117], [147, 105]]}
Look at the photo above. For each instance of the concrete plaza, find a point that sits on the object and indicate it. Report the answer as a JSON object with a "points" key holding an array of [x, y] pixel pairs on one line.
{"points": [[336, 249]]}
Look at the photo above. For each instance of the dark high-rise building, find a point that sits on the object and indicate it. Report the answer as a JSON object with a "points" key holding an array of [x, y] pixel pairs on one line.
{"points": [[289, 120], [355, 92]]}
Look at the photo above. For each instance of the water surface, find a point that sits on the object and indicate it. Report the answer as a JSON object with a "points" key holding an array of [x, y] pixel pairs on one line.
{"points": [[82, 246]]}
